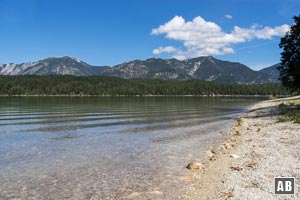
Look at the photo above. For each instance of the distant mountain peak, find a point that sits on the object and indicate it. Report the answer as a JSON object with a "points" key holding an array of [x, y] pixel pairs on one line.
{"points": [[62, 58], [203, 68], [52, 65], [272, 70]]}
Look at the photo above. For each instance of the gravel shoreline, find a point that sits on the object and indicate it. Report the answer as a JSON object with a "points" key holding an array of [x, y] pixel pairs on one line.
{"points": [[257, 149]]}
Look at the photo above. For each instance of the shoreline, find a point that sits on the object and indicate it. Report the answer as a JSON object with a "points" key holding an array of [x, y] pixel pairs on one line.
{"points": [[66, 95], [244, 165]]}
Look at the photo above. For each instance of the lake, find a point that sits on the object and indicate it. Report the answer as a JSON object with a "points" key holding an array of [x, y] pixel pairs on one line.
{"points": [[107, 147]]}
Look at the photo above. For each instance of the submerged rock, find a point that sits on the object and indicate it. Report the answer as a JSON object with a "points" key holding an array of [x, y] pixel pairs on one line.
{"points": [[185, 178], [156, 192], [227, 146], [210, 153], [240, 120], [192, 166], [133, 195]]}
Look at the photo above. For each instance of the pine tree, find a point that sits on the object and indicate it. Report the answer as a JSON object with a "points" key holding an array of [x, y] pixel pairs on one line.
{"points": [[290, 57]]}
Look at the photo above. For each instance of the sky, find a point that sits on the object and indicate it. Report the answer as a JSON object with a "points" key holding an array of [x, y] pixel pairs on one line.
{"points": [[111, 32]]}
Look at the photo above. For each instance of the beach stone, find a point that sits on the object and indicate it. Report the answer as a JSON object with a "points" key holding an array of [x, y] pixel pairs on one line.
{"points": [[222, 148], [185, 178], [227, 146], [252, 164], [234, 156], [226, 195], [196, 165], [210, 153], [237, 168], [237, 133]]}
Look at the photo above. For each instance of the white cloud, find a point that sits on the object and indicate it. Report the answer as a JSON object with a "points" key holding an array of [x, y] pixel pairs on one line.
{"points": [[228, 16], [168, 49], [200, 37]]}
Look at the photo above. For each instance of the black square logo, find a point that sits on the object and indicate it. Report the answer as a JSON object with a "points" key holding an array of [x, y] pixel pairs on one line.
{"points": [[285, 185]]}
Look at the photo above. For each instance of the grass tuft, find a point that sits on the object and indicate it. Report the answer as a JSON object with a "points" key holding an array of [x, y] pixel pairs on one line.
{"points": [[289, 112]]}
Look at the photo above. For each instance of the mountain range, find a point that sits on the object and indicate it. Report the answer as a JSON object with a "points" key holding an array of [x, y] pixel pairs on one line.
{"points": [[203, 68]]}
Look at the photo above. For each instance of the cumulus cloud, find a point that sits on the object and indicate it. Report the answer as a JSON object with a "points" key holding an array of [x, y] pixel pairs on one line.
{"points": [[168, 49], [228, 16], [200, 37]]}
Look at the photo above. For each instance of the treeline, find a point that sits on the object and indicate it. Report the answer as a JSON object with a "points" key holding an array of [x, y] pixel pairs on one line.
{"points": [[101, 85]]}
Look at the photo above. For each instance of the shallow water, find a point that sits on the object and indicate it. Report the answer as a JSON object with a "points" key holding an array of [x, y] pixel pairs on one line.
{"points": [[107, 147]]}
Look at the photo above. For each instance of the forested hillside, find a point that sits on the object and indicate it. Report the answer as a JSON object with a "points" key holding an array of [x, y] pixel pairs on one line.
{"points": [[102, 85]]}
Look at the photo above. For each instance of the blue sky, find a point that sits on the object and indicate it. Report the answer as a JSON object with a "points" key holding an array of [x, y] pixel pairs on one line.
{"points": [[112, 32]]}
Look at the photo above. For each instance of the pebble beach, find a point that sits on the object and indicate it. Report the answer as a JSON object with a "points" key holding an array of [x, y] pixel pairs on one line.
{"points": [[257, 149]]}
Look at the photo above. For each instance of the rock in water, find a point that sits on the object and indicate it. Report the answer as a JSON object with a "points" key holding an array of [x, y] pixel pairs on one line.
{"points": [[133, 195]]}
